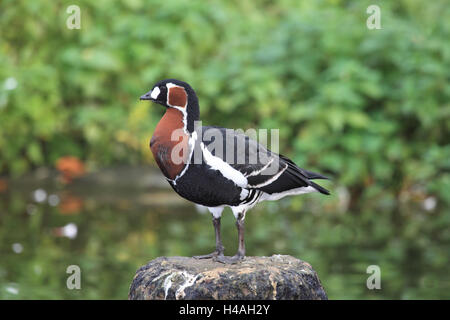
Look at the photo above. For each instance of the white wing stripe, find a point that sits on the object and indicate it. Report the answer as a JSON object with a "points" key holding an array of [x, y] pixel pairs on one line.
{"points": [[224, 168], [255, 173], [275, 177]]}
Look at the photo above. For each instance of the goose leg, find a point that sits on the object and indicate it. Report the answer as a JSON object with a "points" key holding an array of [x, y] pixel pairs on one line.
{"points": [[240, 254], [219, 247]]}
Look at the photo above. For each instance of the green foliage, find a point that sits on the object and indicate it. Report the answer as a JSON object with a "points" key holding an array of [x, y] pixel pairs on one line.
{"points": [[371, 107]]}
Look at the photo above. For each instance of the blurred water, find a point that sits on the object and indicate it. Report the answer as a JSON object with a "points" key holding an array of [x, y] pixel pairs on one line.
{"points": [[113, 222]]}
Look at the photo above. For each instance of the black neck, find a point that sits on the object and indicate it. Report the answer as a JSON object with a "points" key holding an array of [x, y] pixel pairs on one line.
{"points": [[193, 110]]}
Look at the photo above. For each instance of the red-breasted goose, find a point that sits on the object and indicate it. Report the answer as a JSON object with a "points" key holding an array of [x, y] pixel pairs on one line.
{"points": [[217, 167]]}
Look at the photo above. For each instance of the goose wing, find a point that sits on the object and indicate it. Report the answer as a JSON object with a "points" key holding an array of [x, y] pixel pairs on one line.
{"points": [[253, 166]]}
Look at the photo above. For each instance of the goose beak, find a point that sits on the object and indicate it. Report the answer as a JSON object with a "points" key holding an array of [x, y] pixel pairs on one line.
{"points": [[146, 96]]}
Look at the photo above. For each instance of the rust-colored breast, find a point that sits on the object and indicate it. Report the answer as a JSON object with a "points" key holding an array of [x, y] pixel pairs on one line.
{"points": [[170, 144]]}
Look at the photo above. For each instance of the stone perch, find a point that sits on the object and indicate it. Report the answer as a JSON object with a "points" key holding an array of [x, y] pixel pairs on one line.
{"points": [[277, 277]]}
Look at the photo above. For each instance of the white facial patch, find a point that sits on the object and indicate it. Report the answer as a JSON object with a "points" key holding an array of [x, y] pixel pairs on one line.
{"points": [[155, 93]]}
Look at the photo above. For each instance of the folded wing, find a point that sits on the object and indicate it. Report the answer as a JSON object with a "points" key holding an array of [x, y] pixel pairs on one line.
{"points": [[264, 170]]}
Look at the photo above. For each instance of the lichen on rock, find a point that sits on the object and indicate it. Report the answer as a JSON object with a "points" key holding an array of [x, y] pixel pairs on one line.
{"points": [[277, 277]]}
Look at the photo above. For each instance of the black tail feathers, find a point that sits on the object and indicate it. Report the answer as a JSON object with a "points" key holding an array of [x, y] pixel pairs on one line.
{"points": [[319, 188]]}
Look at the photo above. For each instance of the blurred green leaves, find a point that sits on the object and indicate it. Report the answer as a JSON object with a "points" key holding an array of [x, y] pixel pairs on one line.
{"points": [[370, 107]]}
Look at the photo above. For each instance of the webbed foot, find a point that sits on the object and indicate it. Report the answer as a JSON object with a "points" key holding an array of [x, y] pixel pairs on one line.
{"points": [[208, 256], [229, 260]]}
